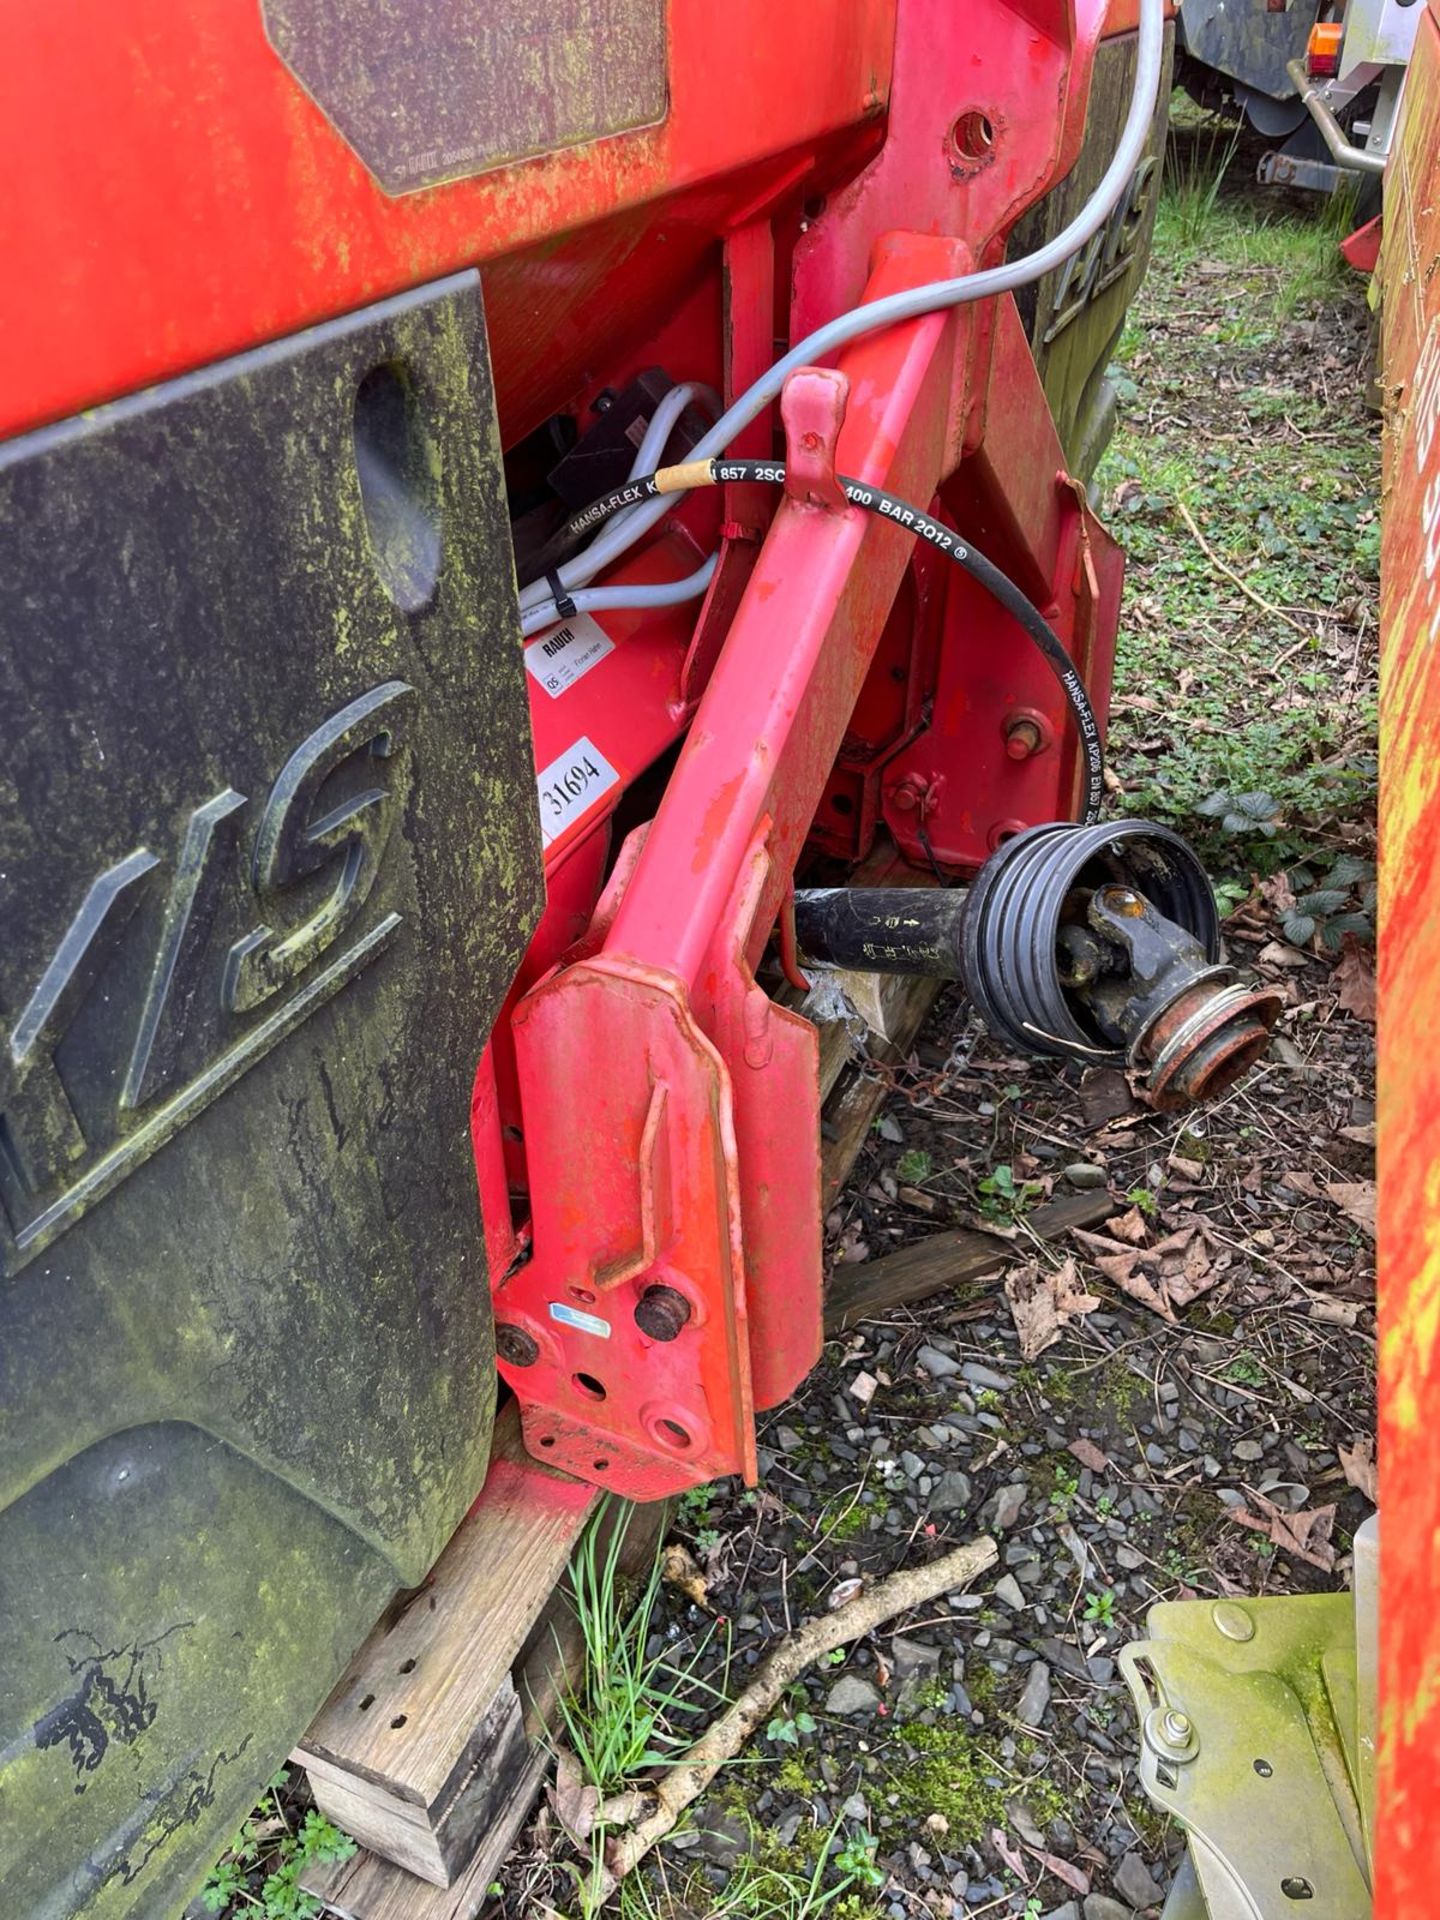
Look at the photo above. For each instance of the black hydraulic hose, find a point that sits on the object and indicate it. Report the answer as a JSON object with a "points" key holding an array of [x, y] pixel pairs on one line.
{"points": [[900, 513]]}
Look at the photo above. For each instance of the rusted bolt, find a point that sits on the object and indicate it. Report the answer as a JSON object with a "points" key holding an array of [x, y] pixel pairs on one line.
{"points": [[516, 1347], [661, 1312], [1022, 738]]}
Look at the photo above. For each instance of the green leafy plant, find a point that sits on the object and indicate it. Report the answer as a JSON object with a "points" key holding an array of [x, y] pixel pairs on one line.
{"points": [[1331, 901], [260, 1873], [1062, 1494], [1145, 1200], [856, 1860], [1242, 814], [1245, 1371], [913, 1165], [695, 1506], [785, 1729], [1100, 1608], [1002, 1196]]}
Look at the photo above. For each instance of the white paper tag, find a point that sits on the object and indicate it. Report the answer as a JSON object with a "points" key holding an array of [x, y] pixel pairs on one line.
{"points": [[571, 785], [559, 658], [573, 1317]]}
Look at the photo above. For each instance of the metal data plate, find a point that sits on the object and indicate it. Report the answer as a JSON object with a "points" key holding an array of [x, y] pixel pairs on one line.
{"points": [[433, 92], [268, 860]]}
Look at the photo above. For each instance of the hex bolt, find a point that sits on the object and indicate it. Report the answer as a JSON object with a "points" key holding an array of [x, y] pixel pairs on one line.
{"points": [[516, 1347], [1177, 1728], [662, 1312]]}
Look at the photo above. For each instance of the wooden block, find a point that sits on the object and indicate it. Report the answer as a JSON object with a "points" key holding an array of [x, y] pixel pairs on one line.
{"points": [[370, 1887], [945, 1260], [400, 1754]]}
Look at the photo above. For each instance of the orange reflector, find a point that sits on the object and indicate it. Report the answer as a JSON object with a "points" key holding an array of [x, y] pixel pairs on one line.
{"points": [[1322, 54]]}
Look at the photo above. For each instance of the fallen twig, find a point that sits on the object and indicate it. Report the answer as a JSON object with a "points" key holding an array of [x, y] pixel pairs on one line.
{"points": [[723, 1739], [1256, 599]]}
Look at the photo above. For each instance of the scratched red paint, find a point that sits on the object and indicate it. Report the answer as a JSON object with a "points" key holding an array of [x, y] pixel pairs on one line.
{"points": [[1408, 1844]]}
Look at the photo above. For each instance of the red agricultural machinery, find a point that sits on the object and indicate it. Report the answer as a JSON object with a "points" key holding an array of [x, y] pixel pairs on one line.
{"points": [[524, 527]]}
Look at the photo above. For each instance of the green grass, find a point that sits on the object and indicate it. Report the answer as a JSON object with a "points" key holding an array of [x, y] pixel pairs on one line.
{"points": [[631, 1709], [1246, 718]]}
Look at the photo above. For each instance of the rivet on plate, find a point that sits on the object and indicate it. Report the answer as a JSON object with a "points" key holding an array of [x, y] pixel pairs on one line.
{"points": [[1232, 1620]]}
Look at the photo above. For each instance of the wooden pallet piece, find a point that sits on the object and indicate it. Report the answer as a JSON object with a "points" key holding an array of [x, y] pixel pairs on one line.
{"points": [[946, 1260], [408, 1751], [370, 1887]]}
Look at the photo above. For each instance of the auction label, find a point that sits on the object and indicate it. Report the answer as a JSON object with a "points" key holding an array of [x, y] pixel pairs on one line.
{"points": [[563, 655], [571, 785]]}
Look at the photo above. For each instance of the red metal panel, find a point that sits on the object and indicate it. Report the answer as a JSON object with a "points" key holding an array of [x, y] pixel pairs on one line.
{"points": [[173, 196], [1408, 1843]]}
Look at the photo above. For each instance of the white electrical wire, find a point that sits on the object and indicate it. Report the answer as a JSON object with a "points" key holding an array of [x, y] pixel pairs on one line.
{"points": [[625, 529]]}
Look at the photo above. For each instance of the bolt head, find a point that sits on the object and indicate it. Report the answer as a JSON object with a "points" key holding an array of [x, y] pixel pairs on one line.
{"points": [[1177, 1727], [516, 1347], [661, 1312]]}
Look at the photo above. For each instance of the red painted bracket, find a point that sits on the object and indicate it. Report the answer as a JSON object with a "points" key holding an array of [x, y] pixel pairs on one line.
{"points": [[671, 1109], [812, 407]]}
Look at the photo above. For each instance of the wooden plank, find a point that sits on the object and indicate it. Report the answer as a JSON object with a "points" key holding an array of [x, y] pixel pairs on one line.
{"points": [[859, 1096], [370, 1887], [949, 1259], [428, 1704]]}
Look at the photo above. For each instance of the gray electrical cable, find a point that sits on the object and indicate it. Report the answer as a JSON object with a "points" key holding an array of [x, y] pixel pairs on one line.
{"points": [[606, 599], [662, 422], [907, 305]]}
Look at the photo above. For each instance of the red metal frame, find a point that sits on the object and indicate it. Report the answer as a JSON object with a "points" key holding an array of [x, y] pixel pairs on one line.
{"points": [[669, 1107]]}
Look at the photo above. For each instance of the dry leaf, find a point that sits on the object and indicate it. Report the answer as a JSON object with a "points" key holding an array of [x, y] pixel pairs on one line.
{"points": [[1279, 892], [679, 1568], [1277, 954], [575, 1803], [1358, 1463], [1181, 1266], [1089, 1455], [1356, 1198], [1187, 1169], [1336, 1313], [1074, 1877], [1129, 1227], [1306, 1535], [1000, 1840], [1361, 1136], [1355, 979], [862, 1388], [843, 1592], [1042, 1302]]}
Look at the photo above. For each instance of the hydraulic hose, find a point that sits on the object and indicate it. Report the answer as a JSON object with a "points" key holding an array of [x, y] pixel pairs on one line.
{"points": [[908, 305], [888, 506]]}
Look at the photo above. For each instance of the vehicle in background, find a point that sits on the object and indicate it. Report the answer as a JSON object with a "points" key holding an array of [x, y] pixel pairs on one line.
{"points": [[1320, 78]]}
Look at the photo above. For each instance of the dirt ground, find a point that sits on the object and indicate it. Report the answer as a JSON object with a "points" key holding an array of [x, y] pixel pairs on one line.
{"points": [[1205, 1425]]}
